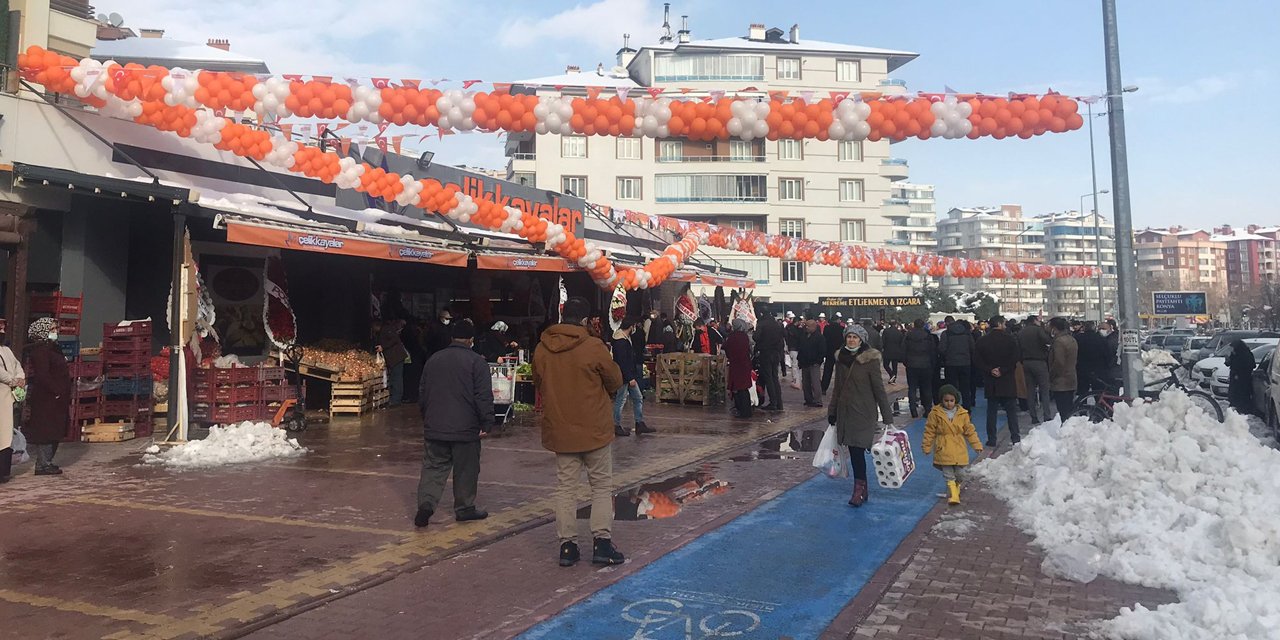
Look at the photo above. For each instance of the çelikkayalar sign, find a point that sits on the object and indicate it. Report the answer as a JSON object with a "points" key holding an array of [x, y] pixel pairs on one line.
{"points": [[870, 301], [342, 245], [1179, 303]]}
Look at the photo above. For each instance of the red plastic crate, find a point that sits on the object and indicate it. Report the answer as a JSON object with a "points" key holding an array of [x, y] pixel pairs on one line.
{"points": [[82, 369], [235, 375], [57, 304], [126, 357], [85, 411], [127, 343], [118, 370], [119, 408], [223, 414], [78, 394], [68, 326], [268, 374], [133, 329], [227, 394]]}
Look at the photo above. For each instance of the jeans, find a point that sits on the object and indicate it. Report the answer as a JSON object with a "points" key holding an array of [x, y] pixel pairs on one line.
{"points": [[1039, 398], [771, 380], [43, 453], [858, 458], [920, 381], [1010, 406], [810, 381], [953, 472], [1065, 401], [395, 383], [794, 357], [960, 377], [599, 467], [441, 456], [637, 403]]}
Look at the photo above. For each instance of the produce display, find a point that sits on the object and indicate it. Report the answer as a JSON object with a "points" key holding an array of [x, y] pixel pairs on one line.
{"points": [[343, 357]]}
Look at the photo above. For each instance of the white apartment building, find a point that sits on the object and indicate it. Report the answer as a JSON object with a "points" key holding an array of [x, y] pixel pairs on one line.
{"points": [[1072, 239], [995, 233], [825, 191], [916, 231]]}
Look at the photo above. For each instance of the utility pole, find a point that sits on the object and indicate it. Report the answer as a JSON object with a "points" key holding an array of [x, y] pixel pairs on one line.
{"points": [[1097, 216], [1126, 262]]}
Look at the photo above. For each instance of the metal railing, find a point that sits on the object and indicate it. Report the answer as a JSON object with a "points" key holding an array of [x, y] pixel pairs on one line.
{"points": [[896, 201], [72, 7], [670, 159], [524, 156], [896, 161], [893, 82]]}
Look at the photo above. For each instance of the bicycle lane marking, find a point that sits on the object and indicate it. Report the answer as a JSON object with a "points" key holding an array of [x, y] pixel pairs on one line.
{"points": [[786, 568]]}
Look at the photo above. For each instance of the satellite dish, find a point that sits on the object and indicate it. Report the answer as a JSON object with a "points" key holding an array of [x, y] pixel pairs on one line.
{"points": [[115, 19], [102, 18]]}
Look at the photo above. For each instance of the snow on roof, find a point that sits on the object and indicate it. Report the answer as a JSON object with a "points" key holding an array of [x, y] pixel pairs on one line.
{"points": [[1237, 237], [897, 57], [582, 79], [168, 52]]}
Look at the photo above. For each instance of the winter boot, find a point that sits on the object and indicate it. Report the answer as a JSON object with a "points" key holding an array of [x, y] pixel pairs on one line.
{"points": [[620, 431], [915, 411], [422, 517], [470, 513], [953, 488], [859, 493], [642, 428], [569, 555], [603, 552]]}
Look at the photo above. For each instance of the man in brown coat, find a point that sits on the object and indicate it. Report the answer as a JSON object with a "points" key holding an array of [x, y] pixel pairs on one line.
{"points": [[1063, 353], [577, 378], [997, 358]]}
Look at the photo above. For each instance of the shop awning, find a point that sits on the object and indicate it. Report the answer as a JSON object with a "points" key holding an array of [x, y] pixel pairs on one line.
{"points": [[299, 238]]}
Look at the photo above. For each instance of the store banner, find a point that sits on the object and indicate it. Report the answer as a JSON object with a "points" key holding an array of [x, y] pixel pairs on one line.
{"points": [[736, 283], [300, 240], [522, 263], [682, 276]]}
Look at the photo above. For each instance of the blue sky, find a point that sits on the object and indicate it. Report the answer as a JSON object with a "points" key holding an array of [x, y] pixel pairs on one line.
{"points": [[1202, 129]]}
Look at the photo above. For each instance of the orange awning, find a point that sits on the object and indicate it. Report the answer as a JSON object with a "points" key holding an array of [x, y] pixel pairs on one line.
{"points": [[343, 245]]}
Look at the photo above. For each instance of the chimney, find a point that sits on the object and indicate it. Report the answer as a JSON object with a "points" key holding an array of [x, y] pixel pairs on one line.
{"points": [[683, 35], [664, 36], [151, 33], [217, 43], [573, 68], [755, 32], [795, 34], [626, 54]]}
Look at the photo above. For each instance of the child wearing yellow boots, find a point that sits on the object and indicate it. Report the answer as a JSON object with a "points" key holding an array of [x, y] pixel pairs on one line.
{"points": [[945, 432]]}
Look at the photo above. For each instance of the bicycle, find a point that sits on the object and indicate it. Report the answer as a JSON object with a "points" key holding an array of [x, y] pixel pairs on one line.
{"points": [[1100, 405]]}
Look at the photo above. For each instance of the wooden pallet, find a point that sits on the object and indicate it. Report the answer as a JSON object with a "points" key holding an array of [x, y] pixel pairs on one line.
{"points": [[107, 432], [358, 398], [686, 378]]}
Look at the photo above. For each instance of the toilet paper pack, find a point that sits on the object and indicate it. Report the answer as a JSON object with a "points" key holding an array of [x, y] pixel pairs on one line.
{"points": [[893, 459]]}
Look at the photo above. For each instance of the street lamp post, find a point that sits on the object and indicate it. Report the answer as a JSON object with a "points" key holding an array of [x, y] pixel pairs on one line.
{"points": [[1017, 257], [1097, 220]]}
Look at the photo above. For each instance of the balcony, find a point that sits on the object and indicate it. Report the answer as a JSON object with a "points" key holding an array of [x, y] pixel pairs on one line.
{"points": [[684, 158], [895, 207], [524, 155], [894, 168], [73, 8], [899, 242], [898, 281], [892, 86], [72, 28]]}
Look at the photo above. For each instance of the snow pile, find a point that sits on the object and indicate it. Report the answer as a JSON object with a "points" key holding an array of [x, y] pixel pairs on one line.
{"points": [[957, 528], [1155, 365], [232, 444], [1261, 431], [1170, 498]]}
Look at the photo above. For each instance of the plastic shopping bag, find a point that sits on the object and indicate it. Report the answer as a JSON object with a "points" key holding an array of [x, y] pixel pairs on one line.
{"points": [[831, 458], [19, 447], [893, 458]]}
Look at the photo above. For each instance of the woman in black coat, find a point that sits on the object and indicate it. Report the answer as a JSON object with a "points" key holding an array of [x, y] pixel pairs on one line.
{"points": [[48, 395], [1240, 388]]}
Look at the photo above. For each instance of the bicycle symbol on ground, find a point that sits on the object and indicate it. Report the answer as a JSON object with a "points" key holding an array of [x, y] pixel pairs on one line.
{"points": [[664, 618]]}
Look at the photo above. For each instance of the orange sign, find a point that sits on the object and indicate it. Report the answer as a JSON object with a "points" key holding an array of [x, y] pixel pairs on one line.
{"points": [[681, 276], [522, 263], [720, 281], [342, 245]]}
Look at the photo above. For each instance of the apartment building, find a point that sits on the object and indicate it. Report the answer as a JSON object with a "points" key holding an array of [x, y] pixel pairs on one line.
{"points": [[995, 233], [918, 229], [1181, 258], [823, 190], [1251, 257], [1074, 239]]}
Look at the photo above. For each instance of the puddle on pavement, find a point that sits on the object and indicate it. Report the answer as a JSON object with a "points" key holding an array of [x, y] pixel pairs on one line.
{"points": [[788, 446], [666, 498]]}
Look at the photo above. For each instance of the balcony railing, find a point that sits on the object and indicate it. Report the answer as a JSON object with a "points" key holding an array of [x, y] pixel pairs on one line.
{"points": [[72, 7], [896, 201], [524, 156], [898, 161], [898, 282], [893, 82], [667, 159], [898, 241]]}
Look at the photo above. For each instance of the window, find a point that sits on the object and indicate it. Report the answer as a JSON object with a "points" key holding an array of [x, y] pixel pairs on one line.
{"points": [[850, 151], [848, 71], [741, 151], [791, 227], [573, 146], [855, 231], [524, 177], [707, 66], [788, 68], [628, 148], [757, 270], [791, 188], [790, 150], [709, 188], [576, 185], [793, 271], [670, 151], [851, 191], [743, 224], [628, 188]]}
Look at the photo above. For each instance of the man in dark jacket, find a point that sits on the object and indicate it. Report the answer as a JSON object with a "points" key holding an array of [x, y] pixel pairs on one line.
{"points": [[715, 335], [956, 346], [624, 355], [813, 350], [920, 352], [1092, 364], [1033, 342], [395, 355], [770, 345], [456, 399], [894, 349], [997, 356], [833, 341]]}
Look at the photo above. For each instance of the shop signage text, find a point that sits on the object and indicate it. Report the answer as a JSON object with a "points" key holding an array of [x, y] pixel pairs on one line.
{"points": [[283, 239], [1179, 303], [870, 301]]}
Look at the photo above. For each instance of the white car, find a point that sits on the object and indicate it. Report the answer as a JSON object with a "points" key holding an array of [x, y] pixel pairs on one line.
{"points": [[1222, 376], [1272, 413], [1204, 372], [1191, 349]]}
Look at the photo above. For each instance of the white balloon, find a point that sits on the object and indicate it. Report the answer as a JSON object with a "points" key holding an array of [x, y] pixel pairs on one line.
{"points": [[553, 121], [861, 131], [939, 128], [734, 126], [737, 107], [444, 123], [663, 132], [540, 110], [837, 130], [939, 109], [761, 128], [456, 114], [762, 110], [863, 110], [541, 128], [964, 109]]}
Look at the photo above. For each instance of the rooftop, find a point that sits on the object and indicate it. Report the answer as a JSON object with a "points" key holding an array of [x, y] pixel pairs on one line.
{"points": [[582, 79], [895, 57], [169, 53]]}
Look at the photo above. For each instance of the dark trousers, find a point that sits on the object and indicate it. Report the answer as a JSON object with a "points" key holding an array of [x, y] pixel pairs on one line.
{"points": [[858, 457], [920, 388], [6, 461], [440, 457], [1010, 406], [771, 380], [1065, 401], [828, 368], [891, 368], [742, 403], [809, 380], [395, 383], [961, 378]]}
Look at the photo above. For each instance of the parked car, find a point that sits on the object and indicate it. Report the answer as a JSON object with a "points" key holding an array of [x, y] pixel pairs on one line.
{"points": [[1225, 337], [1174, 342], [1272, 413], [1191, 348], [1205, 370], [1222, 376], [1262, 385]]}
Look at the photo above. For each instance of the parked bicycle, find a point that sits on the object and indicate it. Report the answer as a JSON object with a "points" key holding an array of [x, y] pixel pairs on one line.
{"points": [[1100, 405]]}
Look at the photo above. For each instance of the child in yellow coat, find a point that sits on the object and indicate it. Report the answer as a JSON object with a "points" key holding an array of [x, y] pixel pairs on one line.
{"points": [[945, 432]]}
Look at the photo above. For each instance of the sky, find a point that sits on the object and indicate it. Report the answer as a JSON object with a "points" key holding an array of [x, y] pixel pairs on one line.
{"points": [[1205, 73]]}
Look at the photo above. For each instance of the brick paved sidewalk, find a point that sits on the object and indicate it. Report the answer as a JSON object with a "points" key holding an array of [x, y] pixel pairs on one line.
{"points": [[967, 572]]}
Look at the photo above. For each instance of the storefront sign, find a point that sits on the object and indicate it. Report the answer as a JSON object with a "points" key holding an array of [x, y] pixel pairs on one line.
{"points": [[871, 301], [522, 263], [681, 276], [722, 281], [343, 246], [551, 206], [1179, 303]]}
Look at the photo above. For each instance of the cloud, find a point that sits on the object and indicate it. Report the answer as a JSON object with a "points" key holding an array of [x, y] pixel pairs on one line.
{"points": [[600, 24], [1160, 90]]}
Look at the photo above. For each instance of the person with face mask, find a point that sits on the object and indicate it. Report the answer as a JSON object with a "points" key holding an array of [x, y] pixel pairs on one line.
{"points": [[12, 381], [48, 395], [857, 393]]}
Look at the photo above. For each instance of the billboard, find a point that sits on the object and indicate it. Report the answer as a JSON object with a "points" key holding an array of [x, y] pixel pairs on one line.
{"points": [[870, 301], [1179, 303]]}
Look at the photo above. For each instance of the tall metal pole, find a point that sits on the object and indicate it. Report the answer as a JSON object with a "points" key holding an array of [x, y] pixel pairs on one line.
{"points": [[1097, 220], [1126, 262]]}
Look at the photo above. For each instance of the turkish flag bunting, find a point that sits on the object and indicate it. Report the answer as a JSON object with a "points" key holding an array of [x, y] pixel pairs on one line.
{"points": [[286, 130], [381, 83], [292, 77], [502, 87], [654, 92], [594, 92], [346, 145], [410, 82], [324, 79], [321, 128], [396, 141], [837, 96], [466, 84]]}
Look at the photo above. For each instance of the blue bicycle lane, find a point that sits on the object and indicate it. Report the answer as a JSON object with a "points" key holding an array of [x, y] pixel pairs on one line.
{"points": [[783, 570]]}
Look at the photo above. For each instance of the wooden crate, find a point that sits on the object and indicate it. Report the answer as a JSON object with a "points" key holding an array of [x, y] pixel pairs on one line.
{"points": [[107, 432], [358, 398], [690, 378]]}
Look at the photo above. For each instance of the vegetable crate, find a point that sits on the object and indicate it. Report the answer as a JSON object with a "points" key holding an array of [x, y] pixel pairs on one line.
{"points": [[108, 432], [358, 398], [690, 378]]}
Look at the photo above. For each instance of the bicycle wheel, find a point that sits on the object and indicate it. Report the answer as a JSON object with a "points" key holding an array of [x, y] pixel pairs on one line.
{"points": [[1084, 403], [1207, 403]]}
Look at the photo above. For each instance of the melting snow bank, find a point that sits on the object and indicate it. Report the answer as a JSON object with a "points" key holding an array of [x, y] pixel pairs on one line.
{"points": [[1169, 498], [232, 444], [1155, 365]]}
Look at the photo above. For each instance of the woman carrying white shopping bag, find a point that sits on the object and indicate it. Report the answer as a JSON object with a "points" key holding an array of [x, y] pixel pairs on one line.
{"points": [[11, 378], [856, 395]]}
